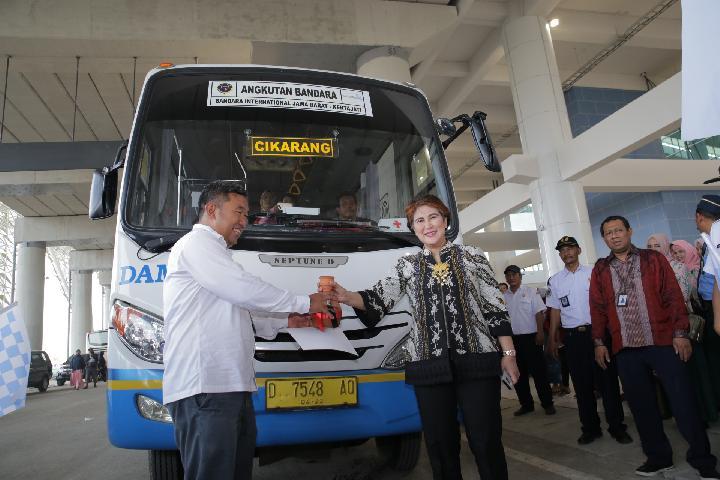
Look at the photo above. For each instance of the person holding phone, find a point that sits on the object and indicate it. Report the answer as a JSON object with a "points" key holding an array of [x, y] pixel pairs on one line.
{"points": [[461, 340]]}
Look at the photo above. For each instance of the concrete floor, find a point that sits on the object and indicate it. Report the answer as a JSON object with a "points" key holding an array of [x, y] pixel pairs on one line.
{"points": [[61, 434]]}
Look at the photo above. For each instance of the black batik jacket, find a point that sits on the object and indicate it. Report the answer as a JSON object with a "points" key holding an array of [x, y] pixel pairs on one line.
{"points": [[457, 317]]}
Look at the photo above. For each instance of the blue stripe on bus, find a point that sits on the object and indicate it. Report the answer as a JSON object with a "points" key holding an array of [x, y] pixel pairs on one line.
{"points": [[135, 374]]}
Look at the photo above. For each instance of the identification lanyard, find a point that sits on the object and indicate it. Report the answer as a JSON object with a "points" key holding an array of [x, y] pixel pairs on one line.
{"points": [[626, 278]]}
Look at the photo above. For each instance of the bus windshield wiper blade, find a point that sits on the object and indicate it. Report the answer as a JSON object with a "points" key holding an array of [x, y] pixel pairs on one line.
{"points": [[162, 244], [365, 226]]}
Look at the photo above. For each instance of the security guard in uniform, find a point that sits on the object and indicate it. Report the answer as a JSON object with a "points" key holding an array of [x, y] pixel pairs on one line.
{"points": [[526, 311], [570, 306]]}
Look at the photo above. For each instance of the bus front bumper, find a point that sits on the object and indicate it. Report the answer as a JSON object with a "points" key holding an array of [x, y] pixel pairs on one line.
{"points": [[386, 406]]}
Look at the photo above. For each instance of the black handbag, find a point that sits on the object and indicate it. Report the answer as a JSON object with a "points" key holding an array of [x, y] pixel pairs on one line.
{"points": [[697, 327]]}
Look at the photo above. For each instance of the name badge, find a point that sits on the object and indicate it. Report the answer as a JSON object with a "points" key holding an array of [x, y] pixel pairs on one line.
{"points": [[622, 300], [564, 301]]}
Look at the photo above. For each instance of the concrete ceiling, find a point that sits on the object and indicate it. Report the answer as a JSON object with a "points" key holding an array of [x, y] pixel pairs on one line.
{"points": [[443, 46]]}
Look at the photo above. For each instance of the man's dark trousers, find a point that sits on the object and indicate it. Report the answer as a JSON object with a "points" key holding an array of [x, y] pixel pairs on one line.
{"points": [[584, 371], [531, 361], [635, 366], [215, 433]]}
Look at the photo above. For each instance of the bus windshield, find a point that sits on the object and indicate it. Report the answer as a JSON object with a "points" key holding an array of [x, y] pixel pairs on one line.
{"points": [[324, 166]]}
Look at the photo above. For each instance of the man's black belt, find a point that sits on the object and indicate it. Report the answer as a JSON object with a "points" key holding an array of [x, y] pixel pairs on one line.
{"points": [[582, 328]]}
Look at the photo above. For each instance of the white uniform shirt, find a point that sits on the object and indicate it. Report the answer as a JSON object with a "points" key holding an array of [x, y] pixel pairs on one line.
{"points": [[522, 307], [209, 340], [712, 265], [570, 293]]}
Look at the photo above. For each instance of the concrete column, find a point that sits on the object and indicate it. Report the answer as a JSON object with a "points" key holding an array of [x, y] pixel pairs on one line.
{"points": [[30, 289], [104, 278], [81, 318], [386, 63], [500, 260], [559, 207]]}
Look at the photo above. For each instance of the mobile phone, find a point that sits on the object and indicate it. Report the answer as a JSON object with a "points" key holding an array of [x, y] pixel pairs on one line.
{"points": [[506, 380]]}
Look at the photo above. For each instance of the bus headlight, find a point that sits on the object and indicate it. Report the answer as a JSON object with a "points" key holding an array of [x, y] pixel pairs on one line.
{"points": [[152, 409], [140, 331], [398, 356]]}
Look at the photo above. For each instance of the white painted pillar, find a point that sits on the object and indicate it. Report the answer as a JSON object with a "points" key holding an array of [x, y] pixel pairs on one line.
{"points": [[500, 260], [559, 207], [81, 318], [30, 289], [104, 278], [386, 63]]}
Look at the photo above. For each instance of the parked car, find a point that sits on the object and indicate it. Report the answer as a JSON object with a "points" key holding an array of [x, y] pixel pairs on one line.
{"points": [[63, 373], [40, 370]]}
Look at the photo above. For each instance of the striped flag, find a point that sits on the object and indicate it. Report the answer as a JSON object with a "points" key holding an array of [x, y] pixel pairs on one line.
{"points": [[14, 360]]}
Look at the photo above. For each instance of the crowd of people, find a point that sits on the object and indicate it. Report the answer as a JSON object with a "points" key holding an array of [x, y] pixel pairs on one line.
{"points": [[625, 320]]}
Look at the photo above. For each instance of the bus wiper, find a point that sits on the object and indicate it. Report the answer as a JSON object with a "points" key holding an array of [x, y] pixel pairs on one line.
{"points": [[162, 244], [355, 224]]}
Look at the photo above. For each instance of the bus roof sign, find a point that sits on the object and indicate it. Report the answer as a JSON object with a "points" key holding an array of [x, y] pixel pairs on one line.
{"points": [[299, 96]]}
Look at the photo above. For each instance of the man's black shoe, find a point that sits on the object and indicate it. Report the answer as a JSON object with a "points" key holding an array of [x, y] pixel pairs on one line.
{"points": [[523, 410], [649, 469], [709, 474], [622, 437], [550, 410], [586, 437]]}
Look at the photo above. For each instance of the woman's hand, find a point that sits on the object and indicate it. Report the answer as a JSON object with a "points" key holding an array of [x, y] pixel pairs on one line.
{"points": [[347, 297], [509, 366], [343, 296]]}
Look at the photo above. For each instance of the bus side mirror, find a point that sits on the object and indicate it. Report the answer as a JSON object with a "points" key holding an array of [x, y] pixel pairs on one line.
{"points": [[103, 189], [482, 142], [103, 193]]}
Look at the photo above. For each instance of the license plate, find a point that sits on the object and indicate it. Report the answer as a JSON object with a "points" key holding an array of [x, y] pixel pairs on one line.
{"points": [[316, 392]]}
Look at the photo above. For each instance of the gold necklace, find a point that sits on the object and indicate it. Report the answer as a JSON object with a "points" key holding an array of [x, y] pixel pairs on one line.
{"points": [[441, 272]]}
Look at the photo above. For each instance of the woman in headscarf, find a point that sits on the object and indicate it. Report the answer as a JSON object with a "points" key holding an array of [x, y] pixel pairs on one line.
{"points": [[697, 365], [661, 243], [699, 242], [683, 252]]}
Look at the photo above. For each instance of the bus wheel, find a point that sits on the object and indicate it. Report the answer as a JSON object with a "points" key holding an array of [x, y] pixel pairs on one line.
{"points": [[165, 465], [401, 452]]}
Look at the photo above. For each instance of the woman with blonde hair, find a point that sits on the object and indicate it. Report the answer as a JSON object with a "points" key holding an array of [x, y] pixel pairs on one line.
{"points": [[461, 341]]}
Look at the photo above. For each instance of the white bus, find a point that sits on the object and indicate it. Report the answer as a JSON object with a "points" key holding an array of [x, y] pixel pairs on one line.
{"points": [[305, 140], [97, 340]]}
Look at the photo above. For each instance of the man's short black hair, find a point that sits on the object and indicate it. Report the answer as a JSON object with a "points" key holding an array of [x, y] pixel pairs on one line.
{"points": [[346, 194], [219, 189], [706, 214], [612, 218]]}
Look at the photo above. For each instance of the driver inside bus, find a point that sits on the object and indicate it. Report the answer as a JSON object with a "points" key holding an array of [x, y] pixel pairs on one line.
{"points": [[268, 208], [268, 201], [347, 207]]}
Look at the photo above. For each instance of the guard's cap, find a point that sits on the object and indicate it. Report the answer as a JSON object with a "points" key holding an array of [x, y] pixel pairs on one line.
{"points": [[566, 242], [710, 204], [512, 268]]}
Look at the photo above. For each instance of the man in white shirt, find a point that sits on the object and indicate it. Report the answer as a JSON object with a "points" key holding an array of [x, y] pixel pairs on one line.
{"points": [[569, 303], [209, 340], [707, 214], [527, 312]]}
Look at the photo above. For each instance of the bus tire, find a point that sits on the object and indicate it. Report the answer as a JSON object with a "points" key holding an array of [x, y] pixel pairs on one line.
{"points": [[165, 465], [401, 452]]}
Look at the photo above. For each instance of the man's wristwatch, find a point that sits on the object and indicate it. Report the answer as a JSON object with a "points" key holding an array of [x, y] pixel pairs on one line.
{"points": [[509, 353]]}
